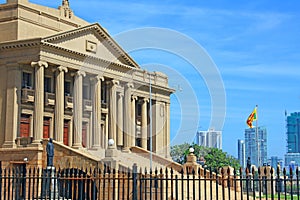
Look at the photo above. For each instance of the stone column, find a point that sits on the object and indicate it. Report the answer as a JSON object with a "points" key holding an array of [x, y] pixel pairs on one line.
{"points": [[96, 112], [13, 96], [70, 132], [38, 115], [77, 110], [59, 103], [167, 132], [113, 110], [133, 121], [144, 123], [120, 119], [127, 117]]}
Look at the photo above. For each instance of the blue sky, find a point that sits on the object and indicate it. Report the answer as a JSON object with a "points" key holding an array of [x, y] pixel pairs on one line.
{"points": [[254, 44]]}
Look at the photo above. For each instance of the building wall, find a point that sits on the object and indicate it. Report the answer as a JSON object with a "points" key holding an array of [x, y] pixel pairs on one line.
{"points": [[33, 112], [210, 138], [251, 144], [293, 132], [32, 20]]}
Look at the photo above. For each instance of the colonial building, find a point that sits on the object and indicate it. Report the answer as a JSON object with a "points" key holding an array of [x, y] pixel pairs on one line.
{"points": [[64, 78]]}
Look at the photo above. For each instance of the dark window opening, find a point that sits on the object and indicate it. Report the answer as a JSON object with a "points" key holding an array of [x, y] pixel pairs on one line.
{"points": [[47, 84], [67, 88], [26, 80]]}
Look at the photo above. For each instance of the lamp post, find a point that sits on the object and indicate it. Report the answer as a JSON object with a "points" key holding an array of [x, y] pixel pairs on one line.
{"points": [[191, 150]]}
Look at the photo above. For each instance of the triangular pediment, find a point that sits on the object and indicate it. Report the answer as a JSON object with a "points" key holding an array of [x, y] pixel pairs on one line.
{"points": [[93, 41]]}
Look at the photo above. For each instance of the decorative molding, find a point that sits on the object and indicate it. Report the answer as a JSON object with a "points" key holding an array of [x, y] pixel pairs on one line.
{"points": [[90, 46], [97, 78], [129, 85], [62, 68], [80, 73], [39, 64], [104, 35], [134, 98], [20, 44], [115, 82]]}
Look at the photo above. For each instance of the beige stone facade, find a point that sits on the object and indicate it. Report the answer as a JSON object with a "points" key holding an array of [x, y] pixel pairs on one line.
{"points": [[64, 78]]}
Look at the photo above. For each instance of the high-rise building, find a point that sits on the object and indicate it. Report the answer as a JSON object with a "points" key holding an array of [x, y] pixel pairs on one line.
{"points": [[293, 139], [274, 161], [252, 144], [242, 153], [293, 132], [210, 138]]}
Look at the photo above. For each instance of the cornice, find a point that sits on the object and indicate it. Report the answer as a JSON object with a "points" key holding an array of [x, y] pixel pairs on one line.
{"points": [[98, 29], [20, 44]]}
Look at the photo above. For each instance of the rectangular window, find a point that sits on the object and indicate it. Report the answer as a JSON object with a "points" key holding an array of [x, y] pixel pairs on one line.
{"points": [[67, 88], [85, 92], [139, 110], [103, 93], [27, 80], [47, 84]]}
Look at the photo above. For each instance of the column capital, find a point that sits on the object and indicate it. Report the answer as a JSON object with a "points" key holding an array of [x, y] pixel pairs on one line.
{"points": [[134, 98], [129, 85], [79, 73], [120, 94], [39, 64], [97, 78], [62, 69], [115, 82], [145, 99]]}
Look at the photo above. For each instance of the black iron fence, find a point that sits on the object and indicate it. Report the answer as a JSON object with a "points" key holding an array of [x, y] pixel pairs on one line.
{"points": [[138, 184]]}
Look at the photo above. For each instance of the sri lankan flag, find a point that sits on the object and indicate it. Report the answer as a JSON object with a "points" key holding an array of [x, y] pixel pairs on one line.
{"points": [[252, 117]]}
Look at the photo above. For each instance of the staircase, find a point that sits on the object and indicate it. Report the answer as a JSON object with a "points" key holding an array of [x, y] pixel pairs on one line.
{"points": [[141, 158]]}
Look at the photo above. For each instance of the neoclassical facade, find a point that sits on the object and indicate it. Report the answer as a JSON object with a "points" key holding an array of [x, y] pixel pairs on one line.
{"points": [[64, 78]]}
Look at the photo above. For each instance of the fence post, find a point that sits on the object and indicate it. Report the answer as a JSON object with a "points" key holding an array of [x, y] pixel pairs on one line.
{"points": [[134, 182]]}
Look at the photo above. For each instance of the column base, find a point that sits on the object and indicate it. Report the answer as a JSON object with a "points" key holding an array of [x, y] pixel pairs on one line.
{"points": [[126, 150], [95, 148], [36, 143], [77, 146], [9, 144]]}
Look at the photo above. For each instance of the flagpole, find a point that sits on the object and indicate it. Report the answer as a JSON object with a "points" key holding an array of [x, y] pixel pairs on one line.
{"points": [[257, 139]]}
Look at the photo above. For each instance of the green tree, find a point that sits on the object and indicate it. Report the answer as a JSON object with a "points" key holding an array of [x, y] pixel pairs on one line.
{"points": [[179, 152], [215, 158]]}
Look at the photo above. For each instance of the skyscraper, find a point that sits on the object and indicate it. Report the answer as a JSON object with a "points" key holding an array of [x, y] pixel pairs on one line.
{"points": [[242, 153], [293, 132], [293, 139], [252, 144], [210, 138]]}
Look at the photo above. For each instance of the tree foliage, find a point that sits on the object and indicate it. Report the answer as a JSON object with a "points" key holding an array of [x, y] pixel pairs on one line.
{"points": [[214, 157]]}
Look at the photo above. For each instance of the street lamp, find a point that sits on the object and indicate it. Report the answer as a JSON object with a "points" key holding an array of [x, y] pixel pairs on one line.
{"points": [[111, 142], [191, 149]]}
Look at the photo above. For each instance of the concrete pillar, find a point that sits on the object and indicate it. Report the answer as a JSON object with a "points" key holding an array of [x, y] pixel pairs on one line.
{"points": [[13, 96], [133, 120], [144, 123], [127, 116], [158, 127], [167, 132], [59, 103], [77, 111], [120, 119], [113, 110], [38, 115], [70, 133], [96, 112]]}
